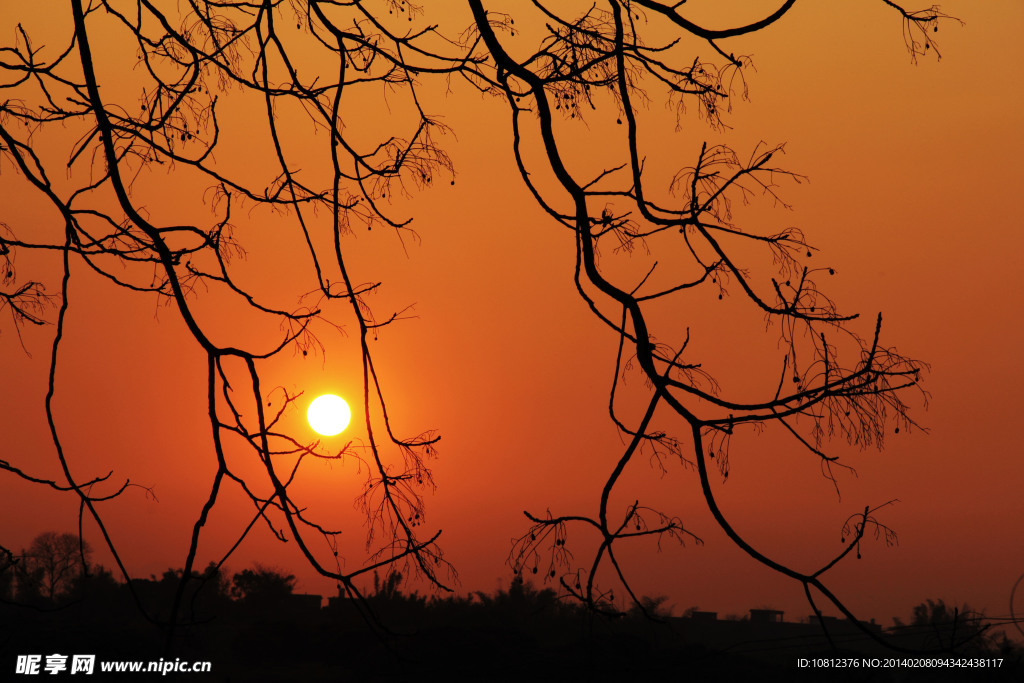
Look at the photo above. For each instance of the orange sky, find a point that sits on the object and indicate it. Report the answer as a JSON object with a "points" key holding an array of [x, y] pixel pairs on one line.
{"points": [[914, 171]]}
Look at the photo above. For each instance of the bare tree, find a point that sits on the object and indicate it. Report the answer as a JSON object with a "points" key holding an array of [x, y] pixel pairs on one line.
{"points": [[51, 566], [832, 377], [314, 61], [190, 59]]}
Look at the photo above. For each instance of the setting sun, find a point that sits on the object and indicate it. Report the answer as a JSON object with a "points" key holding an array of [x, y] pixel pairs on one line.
{"points": [[328, 415]]}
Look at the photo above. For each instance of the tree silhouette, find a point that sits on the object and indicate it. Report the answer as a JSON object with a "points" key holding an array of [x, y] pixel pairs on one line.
{"points": [[831, 378], [936, 625], [261, 585], [51, 567], [7, 569], [192, 59], [205, 70]]}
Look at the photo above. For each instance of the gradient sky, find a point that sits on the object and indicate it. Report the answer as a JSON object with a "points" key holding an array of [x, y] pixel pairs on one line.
{"points": [[914, 174]]}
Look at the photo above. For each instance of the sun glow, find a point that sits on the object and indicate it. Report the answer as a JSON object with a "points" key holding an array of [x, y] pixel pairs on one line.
{"points": [[328, 415]]}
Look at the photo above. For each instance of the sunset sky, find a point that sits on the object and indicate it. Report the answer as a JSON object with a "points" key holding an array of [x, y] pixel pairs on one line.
{"points": [[914, 175]]}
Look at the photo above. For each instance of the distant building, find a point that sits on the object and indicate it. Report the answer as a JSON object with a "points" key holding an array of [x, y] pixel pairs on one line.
{"points": [[765, 616], [703, 616]]}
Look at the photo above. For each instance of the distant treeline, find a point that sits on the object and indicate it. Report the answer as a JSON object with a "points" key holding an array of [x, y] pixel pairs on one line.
{"points": [[252, 626]]}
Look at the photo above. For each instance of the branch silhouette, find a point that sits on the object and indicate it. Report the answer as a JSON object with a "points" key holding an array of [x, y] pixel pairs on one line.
{"points": [[842, 384], [191, 62], [202, 69]]}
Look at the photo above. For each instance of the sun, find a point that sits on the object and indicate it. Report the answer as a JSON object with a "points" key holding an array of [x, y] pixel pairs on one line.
{"points": [[328, 415]]}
